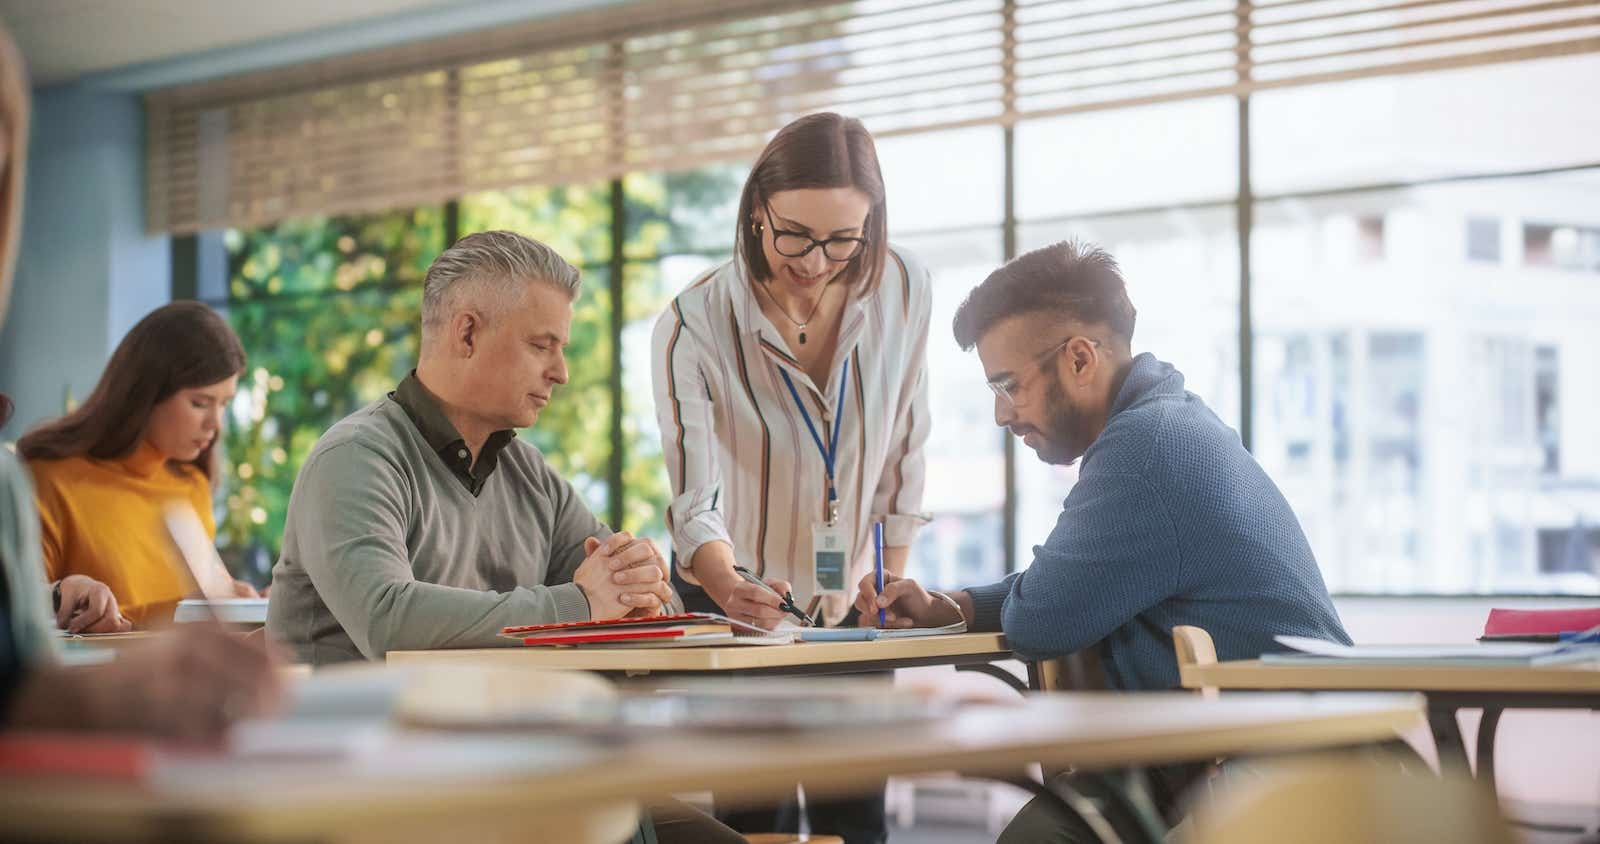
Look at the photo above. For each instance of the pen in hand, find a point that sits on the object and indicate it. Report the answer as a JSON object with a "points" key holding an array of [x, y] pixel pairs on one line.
{"points": [[785, 601], [877, 547]]}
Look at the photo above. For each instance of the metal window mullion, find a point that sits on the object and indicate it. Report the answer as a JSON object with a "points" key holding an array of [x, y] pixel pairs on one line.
{"points": [[1008, 236], [1245, 221], [619, 233], [617, 137]]}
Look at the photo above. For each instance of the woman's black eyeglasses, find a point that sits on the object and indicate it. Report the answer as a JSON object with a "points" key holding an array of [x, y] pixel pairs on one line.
{"points": [[792, 244]]}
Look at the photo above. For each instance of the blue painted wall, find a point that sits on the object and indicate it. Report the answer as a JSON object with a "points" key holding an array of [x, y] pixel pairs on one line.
{"points": [[86, 271]]}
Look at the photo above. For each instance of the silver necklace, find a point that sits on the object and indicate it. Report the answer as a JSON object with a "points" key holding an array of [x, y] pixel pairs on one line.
{"points": [[781, 309]]}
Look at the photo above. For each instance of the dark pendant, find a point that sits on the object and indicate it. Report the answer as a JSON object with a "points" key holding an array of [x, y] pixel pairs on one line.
{"points": [[802, 338]]}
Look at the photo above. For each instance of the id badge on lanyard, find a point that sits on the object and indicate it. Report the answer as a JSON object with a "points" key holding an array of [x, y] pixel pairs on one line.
{"points": [[830, 544], [830, 555]]}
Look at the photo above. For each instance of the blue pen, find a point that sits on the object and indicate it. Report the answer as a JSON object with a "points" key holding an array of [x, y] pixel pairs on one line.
{"points": [[877, 548]]}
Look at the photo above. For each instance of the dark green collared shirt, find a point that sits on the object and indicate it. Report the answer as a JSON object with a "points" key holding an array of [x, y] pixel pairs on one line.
{"points": [[442, 437]]}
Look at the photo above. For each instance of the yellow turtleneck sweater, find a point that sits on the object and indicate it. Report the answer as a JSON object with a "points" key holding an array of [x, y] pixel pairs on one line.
{"points": [[103, 518]]}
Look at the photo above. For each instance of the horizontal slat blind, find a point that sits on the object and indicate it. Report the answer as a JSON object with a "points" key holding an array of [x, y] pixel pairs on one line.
{"points": [[666, 85]]}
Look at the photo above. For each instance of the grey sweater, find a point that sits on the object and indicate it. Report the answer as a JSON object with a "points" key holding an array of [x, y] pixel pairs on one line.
{"points": [[387, 548]]}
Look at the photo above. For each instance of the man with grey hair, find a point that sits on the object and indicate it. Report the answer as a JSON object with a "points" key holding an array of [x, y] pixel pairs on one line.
{"points": [[421, 521]]}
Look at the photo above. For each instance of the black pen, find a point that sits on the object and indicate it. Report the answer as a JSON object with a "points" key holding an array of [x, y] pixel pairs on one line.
{"points": [[785, 601]]}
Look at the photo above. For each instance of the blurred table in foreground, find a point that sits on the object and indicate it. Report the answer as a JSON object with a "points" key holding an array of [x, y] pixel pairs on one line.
{"points": [[486, 786]]}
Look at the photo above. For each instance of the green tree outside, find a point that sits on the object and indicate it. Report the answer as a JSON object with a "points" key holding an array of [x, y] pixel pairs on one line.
{"points": [[328, 311]]}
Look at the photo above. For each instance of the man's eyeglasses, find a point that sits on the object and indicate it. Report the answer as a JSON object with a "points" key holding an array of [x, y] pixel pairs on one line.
{"points": [[1007, 386], [792, 244]]}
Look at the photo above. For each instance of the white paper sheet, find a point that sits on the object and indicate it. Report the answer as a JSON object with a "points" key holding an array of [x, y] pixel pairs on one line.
{"points": [[1476, 650]]}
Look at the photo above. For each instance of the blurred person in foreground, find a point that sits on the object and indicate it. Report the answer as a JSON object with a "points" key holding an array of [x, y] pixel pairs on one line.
{"points": [[191, 684]]}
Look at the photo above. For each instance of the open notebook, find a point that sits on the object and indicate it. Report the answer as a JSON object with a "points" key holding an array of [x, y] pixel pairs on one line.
{"points": [[909, 632]]}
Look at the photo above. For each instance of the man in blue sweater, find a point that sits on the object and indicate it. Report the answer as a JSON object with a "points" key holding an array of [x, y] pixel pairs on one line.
{"points": [[1171, 521]]}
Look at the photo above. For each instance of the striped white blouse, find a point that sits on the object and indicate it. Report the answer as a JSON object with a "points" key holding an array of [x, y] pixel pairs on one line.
{"points": [[743, 466]]}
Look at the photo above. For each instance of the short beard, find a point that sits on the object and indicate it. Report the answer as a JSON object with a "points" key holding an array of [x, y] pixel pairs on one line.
{"points": [[1064, 421]]}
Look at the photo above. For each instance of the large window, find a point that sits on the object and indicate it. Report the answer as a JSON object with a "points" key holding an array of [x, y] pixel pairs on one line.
{"points": [[1417, 420], [1158, 200], [327, 312], [679, 226], [1417, 372], [952, 224], [576, 221], [1424, 346]]}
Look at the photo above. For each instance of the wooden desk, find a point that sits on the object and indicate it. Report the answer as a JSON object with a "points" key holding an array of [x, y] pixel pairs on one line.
{"points": [[1448, 688], [594, 799], [974, 651]]}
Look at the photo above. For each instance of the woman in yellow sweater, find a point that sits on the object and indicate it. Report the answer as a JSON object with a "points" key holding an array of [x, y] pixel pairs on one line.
{"points": [[106, 472]]}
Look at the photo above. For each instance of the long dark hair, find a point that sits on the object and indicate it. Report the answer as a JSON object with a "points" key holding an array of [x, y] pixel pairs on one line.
{"points": [[175, 347], [823, 150]]}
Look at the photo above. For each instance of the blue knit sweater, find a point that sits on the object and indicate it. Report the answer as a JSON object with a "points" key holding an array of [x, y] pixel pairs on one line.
{"points": [[1171, 522]]}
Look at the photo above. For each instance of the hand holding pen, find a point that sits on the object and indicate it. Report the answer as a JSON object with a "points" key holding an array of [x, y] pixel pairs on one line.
{"points": [[762, 602], [877, 548]]}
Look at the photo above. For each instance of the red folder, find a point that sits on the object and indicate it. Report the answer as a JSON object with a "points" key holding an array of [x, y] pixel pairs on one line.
{"points": [[614, 623], [1539, 622], [590, 638], [74, 755], [681, 629]]}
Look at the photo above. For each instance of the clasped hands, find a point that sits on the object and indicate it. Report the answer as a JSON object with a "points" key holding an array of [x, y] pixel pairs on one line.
{"points": [[623, 576]]}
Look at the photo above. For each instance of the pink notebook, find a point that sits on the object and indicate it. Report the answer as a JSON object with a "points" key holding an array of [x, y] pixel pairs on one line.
{"points": [[1541, 623]]}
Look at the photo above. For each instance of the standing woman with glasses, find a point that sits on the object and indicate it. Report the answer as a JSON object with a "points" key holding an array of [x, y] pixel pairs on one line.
{"points": [[791, 388]]}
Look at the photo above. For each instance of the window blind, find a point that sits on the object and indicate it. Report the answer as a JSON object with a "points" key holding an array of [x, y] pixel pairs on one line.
{"points": [[669, 85]]}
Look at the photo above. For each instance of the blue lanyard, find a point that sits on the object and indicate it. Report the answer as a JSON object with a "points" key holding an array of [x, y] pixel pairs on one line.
{"points": [[831, 449]]}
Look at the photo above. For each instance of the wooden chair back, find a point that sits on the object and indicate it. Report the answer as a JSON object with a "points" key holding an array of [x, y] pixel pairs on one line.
{"points": [[1194, 647], [1347, 800]]}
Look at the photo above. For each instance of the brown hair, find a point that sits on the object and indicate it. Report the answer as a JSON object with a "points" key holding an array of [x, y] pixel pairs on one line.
{"points": [[823, 150], [175, 347], [14, 125], [1071, 279]]}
